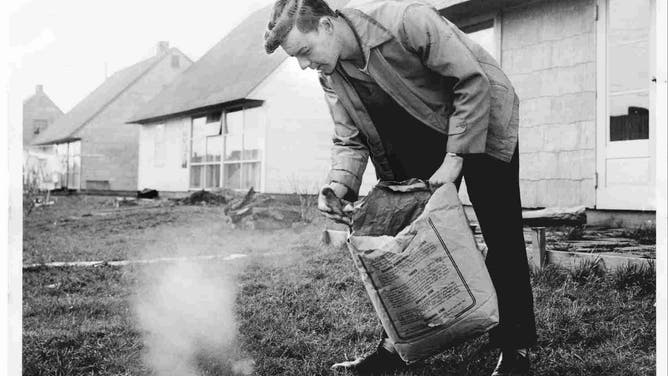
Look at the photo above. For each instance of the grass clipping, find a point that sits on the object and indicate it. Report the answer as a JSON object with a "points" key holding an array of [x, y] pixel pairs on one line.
{"points": [[186, 311], [428, 284]]}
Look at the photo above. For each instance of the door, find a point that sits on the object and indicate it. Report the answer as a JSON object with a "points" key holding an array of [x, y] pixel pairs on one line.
{"points": [[625, 155], [74, 165]]}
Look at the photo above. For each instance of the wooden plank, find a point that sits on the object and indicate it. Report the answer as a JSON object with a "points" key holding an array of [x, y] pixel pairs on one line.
{"points": [[608, 262], [549, 217], [537, 255]]}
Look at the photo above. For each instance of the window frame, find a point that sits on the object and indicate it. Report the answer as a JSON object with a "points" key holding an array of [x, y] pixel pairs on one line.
{"points": [[223, 162], [475, 23], [159, 145], [203, 163], [38, 125], [241, 161]]}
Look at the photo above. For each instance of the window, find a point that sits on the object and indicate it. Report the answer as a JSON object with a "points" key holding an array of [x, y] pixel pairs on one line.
{"points": [[205, 156], [226, 149], [242, 150], [176, 62], [185, 140], [74, 165], [159, 145], [69, 157], [483, 34], [628, 69], [39, 125]]}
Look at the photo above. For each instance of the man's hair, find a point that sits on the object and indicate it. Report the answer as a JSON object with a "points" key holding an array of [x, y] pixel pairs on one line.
{"points": [[287, 13]]}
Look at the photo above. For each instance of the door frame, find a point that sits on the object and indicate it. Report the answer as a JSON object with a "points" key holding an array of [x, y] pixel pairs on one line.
{"points": [[622, 197]]}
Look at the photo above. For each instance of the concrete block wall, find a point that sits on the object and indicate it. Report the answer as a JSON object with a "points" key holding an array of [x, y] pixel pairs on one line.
{"points": [[549, 53], [299, 131], [109, 147]]}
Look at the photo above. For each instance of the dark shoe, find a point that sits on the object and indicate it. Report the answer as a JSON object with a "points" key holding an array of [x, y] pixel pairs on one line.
{"points": [[512, 363], [376, 363]]}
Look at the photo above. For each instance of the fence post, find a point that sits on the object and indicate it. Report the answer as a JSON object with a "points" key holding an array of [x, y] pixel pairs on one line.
{"points": [[538, 259]]}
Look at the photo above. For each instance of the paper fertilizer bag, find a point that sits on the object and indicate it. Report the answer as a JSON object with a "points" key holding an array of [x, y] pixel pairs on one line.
{"points": [[421, 267]]}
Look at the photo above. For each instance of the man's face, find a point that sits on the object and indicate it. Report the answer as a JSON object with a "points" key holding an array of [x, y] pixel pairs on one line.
{"points": [[315, 49]]}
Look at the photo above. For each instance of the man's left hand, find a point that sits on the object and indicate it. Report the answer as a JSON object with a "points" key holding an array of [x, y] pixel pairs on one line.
{"points": [[448, 172]]}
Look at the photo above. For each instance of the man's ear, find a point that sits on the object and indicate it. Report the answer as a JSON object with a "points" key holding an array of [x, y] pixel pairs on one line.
{"points": [[326, 24]]}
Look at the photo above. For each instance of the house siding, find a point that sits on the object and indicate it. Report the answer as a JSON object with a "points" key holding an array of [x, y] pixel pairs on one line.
{"points": [[39, 106], [170, 174], [298, 131], [109, 148], [549, 53]]}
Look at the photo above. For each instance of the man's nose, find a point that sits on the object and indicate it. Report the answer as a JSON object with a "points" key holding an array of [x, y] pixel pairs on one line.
{"points": [[303, 63]]}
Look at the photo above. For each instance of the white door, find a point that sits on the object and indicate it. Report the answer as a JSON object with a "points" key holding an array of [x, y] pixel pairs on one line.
{"points": [[625, 145]]}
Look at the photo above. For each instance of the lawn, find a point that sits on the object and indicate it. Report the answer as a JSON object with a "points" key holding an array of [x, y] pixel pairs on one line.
{"points": [[291, 307]]}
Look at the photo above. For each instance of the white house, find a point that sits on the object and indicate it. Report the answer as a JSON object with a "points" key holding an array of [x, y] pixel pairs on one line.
{"points": [[98, 152]]}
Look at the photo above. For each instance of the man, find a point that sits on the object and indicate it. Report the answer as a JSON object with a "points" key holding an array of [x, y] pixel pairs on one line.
{"points": [[410, 90]]}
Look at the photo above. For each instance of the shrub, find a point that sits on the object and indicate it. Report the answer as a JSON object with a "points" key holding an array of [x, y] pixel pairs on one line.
{"points": [[587, 271], [641, 278]]}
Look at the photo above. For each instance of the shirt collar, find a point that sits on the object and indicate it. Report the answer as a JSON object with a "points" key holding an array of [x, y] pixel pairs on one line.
{"points": [[368, 31]]}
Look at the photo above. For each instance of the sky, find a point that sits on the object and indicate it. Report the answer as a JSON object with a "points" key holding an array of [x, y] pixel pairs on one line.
{"points": [[68, 45]]}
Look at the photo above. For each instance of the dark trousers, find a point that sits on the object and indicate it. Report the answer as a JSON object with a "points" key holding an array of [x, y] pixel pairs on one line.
{"points": [[494, 189]]}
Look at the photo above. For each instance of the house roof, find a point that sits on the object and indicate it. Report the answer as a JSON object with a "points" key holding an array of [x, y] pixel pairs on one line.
{"points": [[40, 95], [65, 127], [458, 9], [228, 72]]}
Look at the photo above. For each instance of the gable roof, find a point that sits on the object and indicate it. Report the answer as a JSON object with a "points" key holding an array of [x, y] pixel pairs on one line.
{"points": [[228, 72], [40, 95], [64, 128]]}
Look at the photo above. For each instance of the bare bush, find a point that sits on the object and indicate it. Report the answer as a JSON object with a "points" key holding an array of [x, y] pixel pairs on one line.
{"points": [[307, 196]]}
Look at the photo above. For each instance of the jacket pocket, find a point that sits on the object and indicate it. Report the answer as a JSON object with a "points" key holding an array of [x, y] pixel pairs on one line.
{"points": [[501, 105]]}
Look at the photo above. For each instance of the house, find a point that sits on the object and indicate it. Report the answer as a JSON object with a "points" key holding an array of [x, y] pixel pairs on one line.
{"points": [[98, 152], [39, 112], [581, 68]]}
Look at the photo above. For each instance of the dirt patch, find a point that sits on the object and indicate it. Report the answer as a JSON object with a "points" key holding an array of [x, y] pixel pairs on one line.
{"points": [[205, 198]]}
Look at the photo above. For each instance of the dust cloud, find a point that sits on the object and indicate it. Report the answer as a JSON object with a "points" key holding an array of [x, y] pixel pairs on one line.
{"points": [[185, 312]]}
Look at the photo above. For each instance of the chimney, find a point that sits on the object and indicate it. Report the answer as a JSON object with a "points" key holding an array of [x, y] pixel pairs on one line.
{"points": [[39, 89], [163, 47]]}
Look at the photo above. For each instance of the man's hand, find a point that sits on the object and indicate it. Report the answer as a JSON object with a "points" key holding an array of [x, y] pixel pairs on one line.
{"points": [[448, 172], [332, 207]]}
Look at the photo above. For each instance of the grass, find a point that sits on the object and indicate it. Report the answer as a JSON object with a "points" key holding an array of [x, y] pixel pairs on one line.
{"points": [[297, 316], [300, 306], [89, 228], [643, 234], [76, 321]]}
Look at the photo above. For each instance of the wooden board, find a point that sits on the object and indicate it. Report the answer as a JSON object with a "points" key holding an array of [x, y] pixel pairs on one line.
{"points": [[551, 217]]}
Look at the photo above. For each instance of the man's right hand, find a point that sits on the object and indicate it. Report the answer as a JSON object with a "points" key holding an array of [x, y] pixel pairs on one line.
{"points": [[333, 207]]}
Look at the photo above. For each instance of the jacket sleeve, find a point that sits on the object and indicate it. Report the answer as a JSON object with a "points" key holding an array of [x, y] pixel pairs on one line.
{"points": [[425, 33], [349, 152]]}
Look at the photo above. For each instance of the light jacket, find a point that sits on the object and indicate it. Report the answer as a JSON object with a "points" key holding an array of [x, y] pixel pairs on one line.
{"points": [[435, 72]]}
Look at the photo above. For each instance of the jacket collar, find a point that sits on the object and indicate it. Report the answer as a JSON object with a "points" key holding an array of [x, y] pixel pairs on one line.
{"points": [[369, 32]]}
